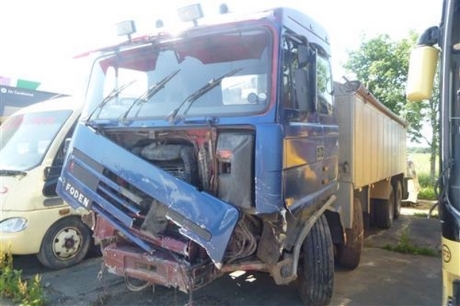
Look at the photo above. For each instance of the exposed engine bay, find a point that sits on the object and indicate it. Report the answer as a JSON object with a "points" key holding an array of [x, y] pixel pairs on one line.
{"points": [[220, 164]]}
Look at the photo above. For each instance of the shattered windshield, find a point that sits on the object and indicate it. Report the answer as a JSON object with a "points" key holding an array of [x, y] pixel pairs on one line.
{"points": [[176, 72], [25, 138]]}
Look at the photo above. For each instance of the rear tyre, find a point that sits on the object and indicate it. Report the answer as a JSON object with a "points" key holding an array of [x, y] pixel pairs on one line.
{"points": [[397, 200], [65, 244], [384, 211], [349, 255], [316, 267]]}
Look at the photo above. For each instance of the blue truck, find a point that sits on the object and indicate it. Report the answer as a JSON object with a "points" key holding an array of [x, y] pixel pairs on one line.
{"points": [[216, 149]]}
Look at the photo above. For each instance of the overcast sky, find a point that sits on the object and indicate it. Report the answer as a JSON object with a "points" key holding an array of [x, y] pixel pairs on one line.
{"points": [[40, 37]]}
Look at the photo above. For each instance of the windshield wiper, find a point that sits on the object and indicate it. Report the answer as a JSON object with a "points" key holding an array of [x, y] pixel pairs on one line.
{"points": [[115, 92], [153, 90], [12, 172], [200, 92]]}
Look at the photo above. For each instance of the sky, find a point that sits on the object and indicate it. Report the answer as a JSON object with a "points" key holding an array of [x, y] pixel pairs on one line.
{"points": [[41, 37]]}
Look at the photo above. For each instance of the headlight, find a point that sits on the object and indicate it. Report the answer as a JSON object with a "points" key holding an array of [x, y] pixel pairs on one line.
{"points": [[13, 225]]}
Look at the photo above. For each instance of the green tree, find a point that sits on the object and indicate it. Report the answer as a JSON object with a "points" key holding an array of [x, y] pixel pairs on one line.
{"points": [[381, 64]]}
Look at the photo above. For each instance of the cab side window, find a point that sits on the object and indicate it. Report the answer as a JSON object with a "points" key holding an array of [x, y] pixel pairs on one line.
{"points": [[289, 67], [324, 85], [293, 73]]}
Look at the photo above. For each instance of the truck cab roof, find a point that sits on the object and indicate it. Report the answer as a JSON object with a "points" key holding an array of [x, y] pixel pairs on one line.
{"points": [[292, 19]]}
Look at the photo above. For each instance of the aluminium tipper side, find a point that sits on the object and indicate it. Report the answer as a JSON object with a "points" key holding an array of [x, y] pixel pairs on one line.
{"points": [[372, 139]]}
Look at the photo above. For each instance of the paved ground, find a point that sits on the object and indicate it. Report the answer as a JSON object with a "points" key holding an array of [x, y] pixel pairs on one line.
{"points": [[383, 278]]}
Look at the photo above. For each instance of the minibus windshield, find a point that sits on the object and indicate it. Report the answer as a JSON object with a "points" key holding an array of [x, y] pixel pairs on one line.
{"points": [[25, 138]]}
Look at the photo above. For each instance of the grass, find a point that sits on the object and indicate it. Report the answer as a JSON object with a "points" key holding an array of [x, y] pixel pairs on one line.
{"points": [[422, 162], [422, 166], [13, 287], [434, 215], [407, 247]]}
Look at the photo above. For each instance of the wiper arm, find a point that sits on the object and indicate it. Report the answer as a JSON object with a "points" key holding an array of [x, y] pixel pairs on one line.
{"points": [[115, 92], [12, 172], [153, 90], [200, 92]]}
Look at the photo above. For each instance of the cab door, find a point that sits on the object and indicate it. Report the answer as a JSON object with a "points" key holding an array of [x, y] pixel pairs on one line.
{"points": [[309, 131]]}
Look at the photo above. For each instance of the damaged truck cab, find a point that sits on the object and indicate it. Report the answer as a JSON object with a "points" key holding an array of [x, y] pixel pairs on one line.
{"points": [[210, 151]]}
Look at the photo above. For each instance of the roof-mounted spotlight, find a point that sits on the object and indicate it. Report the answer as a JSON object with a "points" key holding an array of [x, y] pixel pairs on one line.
{"points": [[190, 13], [159, 23], [126, 28], [223, 8]]}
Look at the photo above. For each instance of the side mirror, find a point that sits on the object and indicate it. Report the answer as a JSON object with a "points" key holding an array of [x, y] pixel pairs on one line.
{"points": [[51, 179], [66, 145], [422, 66], [51, 173], [422, 70], [303, 56], [429, 37], [301, 89], [305, 79]]}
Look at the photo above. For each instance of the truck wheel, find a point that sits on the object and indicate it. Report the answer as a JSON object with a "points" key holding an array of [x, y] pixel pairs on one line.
{"points": [[349, 255], [65, 244], [316, 267], [384, 211], [397, 199]]}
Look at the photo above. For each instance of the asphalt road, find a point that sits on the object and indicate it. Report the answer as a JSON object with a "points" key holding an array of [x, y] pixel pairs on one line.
{"points": [[382, 278]]}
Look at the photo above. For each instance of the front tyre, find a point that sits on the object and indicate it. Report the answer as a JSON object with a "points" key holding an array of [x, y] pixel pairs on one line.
{"points": [[65, 244], [316, 266]]}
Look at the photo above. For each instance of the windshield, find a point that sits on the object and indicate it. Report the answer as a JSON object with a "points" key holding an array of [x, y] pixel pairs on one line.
{"points": [[165, 75], [25, 138]]}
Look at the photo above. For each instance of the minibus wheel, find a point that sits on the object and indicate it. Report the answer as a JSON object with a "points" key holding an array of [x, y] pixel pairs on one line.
{"points": [[66, 243]]}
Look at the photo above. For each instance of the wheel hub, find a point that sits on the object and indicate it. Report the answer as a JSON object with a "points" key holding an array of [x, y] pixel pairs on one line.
{"points": [[67, 243]]}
